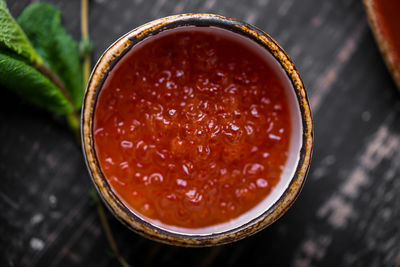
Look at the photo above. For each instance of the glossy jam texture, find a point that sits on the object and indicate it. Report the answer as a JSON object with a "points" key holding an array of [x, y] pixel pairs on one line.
{"points": [[192, 127]]}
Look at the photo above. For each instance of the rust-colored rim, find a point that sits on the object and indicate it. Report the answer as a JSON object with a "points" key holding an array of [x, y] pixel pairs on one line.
{"points": [[383, 44], [127, 217]]}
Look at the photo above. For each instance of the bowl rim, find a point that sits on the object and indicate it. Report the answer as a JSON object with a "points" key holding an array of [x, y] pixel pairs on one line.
{"points": [[99, 73]]}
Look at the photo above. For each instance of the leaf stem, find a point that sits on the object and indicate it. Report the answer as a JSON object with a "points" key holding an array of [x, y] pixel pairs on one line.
{"points": [[73, 119], [55, 79], [85, 36], [86, 73], [109, 235]]}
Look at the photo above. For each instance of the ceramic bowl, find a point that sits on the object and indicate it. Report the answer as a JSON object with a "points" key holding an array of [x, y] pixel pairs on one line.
{"points": [[284, 193]]}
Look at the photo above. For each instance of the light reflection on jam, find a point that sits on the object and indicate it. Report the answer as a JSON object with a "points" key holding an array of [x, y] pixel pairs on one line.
{"points": [[192, 127]]}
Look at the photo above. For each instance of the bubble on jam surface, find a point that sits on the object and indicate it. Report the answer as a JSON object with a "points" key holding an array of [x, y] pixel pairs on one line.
{"points": [[193, 196], [181, 182], [115, 179], [124, 165], [253, 168], [156, 178], [126, 144], [274, 137], [262, 183], [201, 138]]}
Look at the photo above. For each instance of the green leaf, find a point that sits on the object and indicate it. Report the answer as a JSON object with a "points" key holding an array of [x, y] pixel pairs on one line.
{"points": [[14, 39], [42, 24], [26, 81]]}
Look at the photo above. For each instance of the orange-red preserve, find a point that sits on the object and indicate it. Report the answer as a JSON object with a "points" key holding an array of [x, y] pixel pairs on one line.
{"points": [[192, 127]]}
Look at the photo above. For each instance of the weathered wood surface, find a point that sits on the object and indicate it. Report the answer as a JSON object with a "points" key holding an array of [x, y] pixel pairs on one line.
{"points": [[348, 213]]}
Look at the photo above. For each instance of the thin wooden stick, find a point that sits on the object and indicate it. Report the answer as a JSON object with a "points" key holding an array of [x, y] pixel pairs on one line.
{"points": [[86, 73], [85, 38]]}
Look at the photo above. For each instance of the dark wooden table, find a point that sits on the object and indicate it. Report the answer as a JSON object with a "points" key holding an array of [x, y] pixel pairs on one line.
{"points": [[348, 213]]}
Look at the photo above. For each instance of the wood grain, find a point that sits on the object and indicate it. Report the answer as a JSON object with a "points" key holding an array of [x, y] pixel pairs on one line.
{"points": [[348, 212]]}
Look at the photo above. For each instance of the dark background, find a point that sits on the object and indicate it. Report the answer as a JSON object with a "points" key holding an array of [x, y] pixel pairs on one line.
{"points": [[348, 213]]}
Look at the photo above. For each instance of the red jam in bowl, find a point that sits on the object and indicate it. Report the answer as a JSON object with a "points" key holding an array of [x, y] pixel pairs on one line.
{"points": [[192, 126]]}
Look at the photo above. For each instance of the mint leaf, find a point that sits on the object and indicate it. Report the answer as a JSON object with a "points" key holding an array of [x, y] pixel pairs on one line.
{"points": [[42, 24], [14, 39], [26, 81]]}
